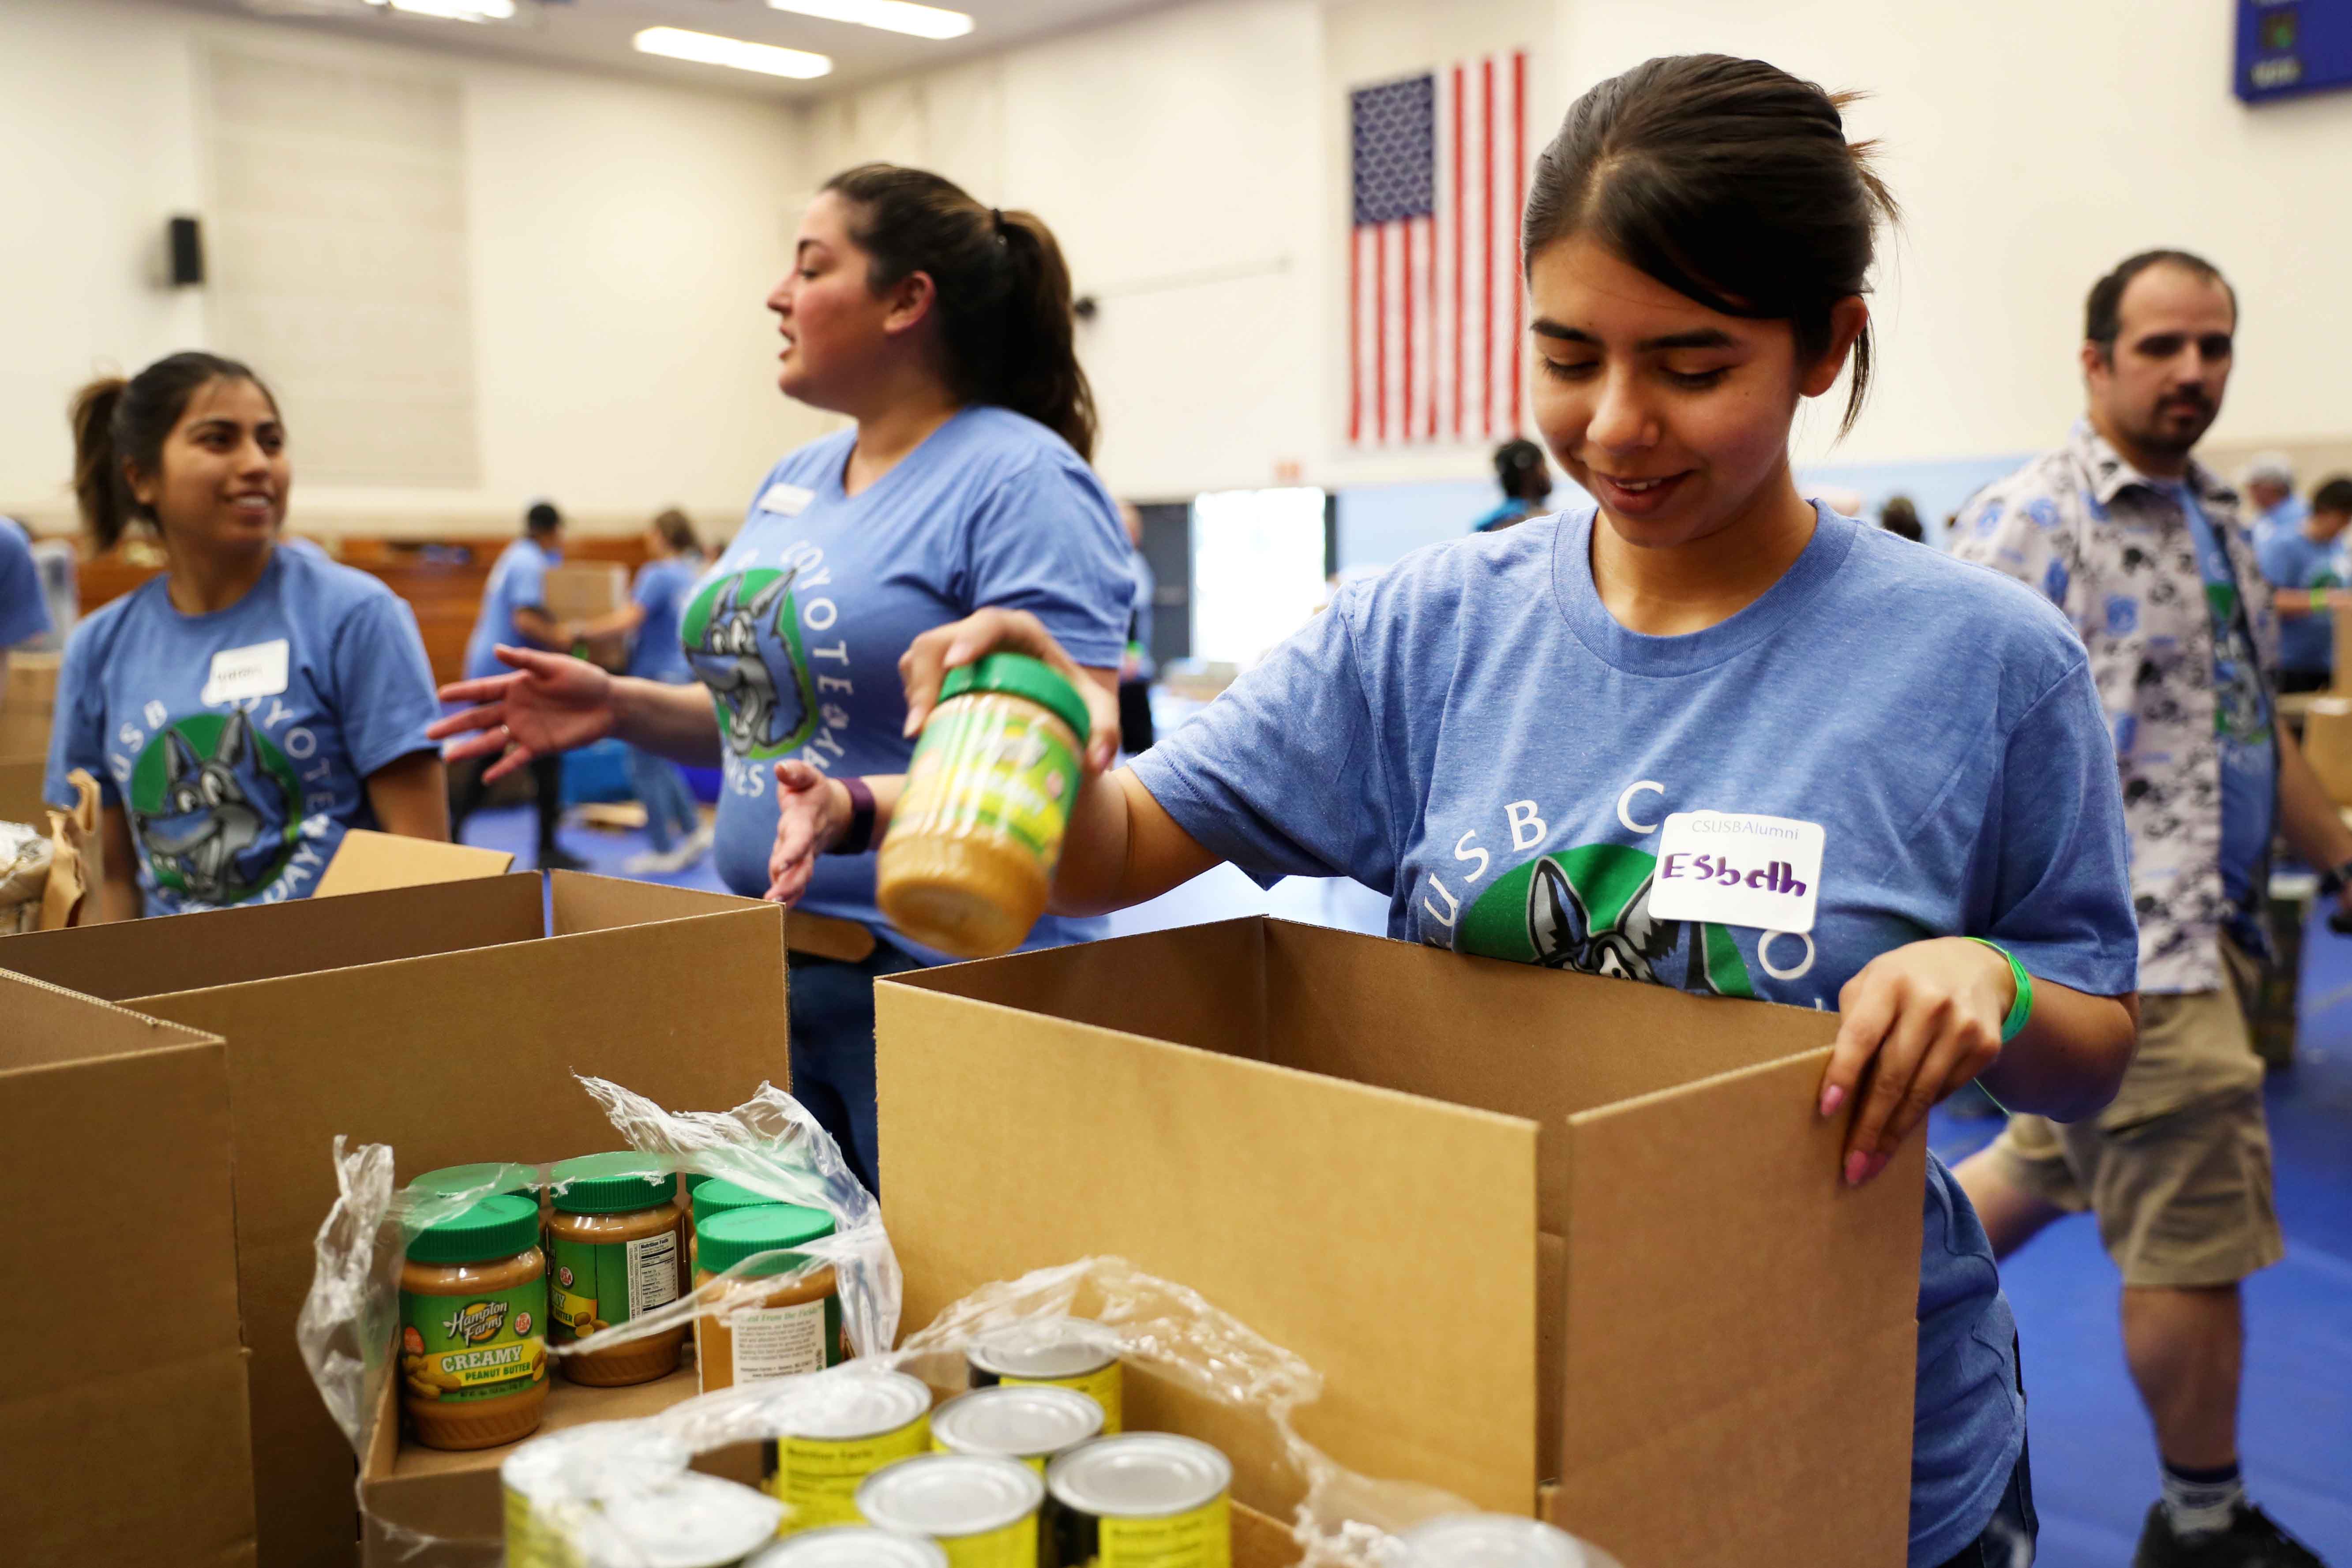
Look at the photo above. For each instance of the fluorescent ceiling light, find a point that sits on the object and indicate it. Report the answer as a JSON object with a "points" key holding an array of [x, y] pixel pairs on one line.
{"points": [[710, 50], [455, 10], [890, 15]]}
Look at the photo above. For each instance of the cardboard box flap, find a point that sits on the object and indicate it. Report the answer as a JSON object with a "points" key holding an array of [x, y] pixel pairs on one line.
{"points": [[369, 862], [20, 792], [1389, 1241], [262, 942]]}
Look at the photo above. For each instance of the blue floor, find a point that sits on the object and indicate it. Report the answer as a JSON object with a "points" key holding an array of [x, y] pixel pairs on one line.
{"points": [[2094, 1464]]}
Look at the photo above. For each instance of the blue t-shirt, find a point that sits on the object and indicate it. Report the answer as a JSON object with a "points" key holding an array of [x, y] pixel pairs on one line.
{"points": [[244, 795], [1146, 589], [519, 582], [1508, 513], [2291, 561], [661, 590], [2241, 715], [798, 627], [1474, 735], [24, 612]]}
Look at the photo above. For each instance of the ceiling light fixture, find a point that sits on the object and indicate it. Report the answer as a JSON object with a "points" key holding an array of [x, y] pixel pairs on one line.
{"points": [[455, 10], [890, 15], [710, 50]]}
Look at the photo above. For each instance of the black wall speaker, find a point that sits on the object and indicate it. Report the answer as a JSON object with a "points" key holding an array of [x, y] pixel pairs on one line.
{"points": [[187, 245]]}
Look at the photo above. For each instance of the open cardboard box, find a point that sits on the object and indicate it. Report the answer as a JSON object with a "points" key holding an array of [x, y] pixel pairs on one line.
{"points": [[2327, 743], [444, 1020], [1556, 1243], [587, 591], [123, 1425], [32, 680], [371, 862]]}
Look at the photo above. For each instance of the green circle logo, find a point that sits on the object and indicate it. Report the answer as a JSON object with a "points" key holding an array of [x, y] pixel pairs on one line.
{"points": [[212, 803], [742, 636]]}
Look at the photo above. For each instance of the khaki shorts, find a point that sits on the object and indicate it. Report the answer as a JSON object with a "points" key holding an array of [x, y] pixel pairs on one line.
{"points": [[2178, 1168]]}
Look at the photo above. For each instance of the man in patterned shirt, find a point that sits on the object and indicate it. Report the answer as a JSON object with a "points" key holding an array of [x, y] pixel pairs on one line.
{"points": [[2143, 549]]}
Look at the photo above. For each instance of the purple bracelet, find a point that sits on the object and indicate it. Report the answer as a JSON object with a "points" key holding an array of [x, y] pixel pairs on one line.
{"points": [[858, 837]]}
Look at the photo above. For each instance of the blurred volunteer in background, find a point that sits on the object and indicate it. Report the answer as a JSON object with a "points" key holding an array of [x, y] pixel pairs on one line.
{"points": [[1137, 668], [2306, 563], [23, 611], [943, 328], [650, 619], [244, 708], [2270, 492], [514, 614], [1526, 479], [1499, 733]]}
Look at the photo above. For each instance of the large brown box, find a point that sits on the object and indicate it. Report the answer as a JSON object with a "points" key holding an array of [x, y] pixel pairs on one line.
{"points": [[1554, 1242], [123, 1421], [442, 1020]]}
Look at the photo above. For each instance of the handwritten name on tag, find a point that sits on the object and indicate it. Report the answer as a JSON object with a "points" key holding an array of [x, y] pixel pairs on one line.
{"points": [[1731, 869], [240, 674]]}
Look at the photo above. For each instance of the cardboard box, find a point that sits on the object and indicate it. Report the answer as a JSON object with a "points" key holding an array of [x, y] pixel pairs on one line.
{"points": [[24, 734], [2328, 743], [122, 1428], [32, 685], [20, 792], [371, 862], [444, 1020], [1530, 1226], [585, 591]]}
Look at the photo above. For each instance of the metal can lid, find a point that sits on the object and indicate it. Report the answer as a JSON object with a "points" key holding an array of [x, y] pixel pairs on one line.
{"points": [[593, 1461], [1019, 1421], [852, 1546], [696, 1521], [1138, 1475], [948, 1495], [853, 1403], [1493, 1540], [1045, 1348]]}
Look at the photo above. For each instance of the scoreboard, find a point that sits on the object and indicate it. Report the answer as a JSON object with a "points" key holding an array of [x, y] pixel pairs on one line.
{"points": [[2286, 47]]}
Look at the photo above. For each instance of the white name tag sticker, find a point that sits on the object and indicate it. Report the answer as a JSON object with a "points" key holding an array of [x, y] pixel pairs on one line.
{"points": [[240, 674], [785, 500], [1734, 869]]}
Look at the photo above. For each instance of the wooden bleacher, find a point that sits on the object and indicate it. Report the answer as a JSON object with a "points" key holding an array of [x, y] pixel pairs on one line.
{"points": [[442, 579]]}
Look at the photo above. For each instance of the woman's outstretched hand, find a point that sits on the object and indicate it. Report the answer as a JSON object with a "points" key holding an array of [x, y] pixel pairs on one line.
{"points": [[811, 810], [552, 702]]}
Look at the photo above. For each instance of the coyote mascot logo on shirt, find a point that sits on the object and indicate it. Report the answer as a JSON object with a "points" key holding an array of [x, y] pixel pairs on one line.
{"points": [[1588, 909], [742, 637], [213, 803]]}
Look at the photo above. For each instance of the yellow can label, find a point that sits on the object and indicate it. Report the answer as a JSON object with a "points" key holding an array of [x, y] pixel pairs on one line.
{"points": [[818, 1477], [999, 765], [1015, 1546], [1107, 1388], [1201, 1539]]}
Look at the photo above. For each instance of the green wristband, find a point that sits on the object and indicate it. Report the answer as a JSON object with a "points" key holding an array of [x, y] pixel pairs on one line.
{"points": [[2021, 1009], [2319, 601]]}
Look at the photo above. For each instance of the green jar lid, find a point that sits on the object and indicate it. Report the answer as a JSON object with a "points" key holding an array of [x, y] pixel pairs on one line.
{"points": [[694, 1180], [619, 1183], [728, 1237], [507, 1177], [497, 1227], [1021, 675], [718, 1194]]}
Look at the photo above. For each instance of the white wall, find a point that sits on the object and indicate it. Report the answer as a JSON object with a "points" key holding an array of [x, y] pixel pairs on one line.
{"points": [[622, 238], [2032, 145]]}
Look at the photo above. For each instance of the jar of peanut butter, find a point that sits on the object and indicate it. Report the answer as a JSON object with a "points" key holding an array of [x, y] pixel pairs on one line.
{"points": [[614, 1238], [473, 1327], [795, 1327], [970, 859]]}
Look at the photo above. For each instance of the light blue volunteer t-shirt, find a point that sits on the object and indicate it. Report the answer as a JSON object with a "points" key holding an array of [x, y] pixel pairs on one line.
{"points": [[2242, 717], [517, 582], [23, 611], [798, 627], [242, 795], [1474, 735], [661, 589], [2290, 560]]}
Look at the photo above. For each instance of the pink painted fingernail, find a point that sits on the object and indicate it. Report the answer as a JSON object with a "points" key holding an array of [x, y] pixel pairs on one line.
{"points": [[1856, 1165], [1831, 1097]]}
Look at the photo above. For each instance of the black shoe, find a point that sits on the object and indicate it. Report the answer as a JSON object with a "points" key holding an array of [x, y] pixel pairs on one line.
{"points": [[553, 860], [2253, 1540]]}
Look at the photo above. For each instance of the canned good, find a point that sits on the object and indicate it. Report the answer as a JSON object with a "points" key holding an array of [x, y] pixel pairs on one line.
{"points": [[695, 1521], [1493, 1540], [837, 1431], [981, 1509], [1060, 1352], [577, 1464], [1032, 1424], [1145, 1499], [852, 1546]]}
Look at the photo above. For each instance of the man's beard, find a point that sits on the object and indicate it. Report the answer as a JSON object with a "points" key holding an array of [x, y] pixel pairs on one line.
{"points": [[2160, 435]]}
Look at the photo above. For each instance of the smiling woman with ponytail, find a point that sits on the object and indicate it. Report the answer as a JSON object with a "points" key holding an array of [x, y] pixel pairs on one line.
{"points": [[942, 327]]}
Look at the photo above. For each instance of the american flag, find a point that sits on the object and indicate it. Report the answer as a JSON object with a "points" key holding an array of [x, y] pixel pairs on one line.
{"points": [[1436, 308]]}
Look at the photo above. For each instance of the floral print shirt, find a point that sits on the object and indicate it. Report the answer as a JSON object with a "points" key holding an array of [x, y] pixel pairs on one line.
{"points": [[2115, 553]]}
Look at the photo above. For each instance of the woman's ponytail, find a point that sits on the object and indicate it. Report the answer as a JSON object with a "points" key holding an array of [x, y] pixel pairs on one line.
{"points": [[98, 471], [1002, 287]]}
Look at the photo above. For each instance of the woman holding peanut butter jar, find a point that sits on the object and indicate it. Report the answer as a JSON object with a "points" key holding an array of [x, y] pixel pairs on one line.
{"points": [[943, 328], [1672, 736]]}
